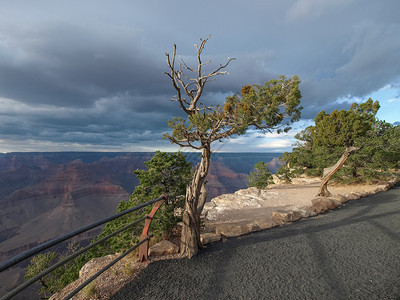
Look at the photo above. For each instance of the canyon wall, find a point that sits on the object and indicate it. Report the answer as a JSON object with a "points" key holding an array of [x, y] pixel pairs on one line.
{"points": [[45, 195]]}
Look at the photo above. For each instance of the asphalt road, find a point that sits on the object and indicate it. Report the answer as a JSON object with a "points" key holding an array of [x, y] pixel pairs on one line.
{"points": [[351, 252]]}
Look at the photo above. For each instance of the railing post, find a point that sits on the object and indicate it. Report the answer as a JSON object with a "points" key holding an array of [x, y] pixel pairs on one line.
{"points": [[144, 248]]}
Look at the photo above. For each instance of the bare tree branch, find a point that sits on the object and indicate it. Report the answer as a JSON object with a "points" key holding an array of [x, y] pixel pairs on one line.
{"points": [[173, 75], [183, 143], [186, 66], [178, 78]]}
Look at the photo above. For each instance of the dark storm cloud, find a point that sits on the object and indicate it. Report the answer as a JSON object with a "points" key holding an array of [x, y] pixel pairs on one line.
{"points": [[92, 72], [69, 84], [109, 121], [366, 57], [65, 65]]}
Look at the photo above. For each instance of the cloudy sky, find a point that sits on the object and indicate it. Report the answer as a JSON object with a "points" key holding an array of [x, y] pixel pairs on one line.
{"points": [[88, 75]]}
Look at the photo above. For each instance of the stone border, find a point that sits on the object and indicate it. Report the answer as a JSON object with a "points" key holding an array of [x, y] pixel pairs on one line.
{"points": [[279, 218]]}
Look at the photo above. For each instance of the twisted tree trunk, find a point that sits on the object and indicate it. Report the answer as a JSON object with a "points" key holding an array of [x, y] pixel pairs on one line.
{"points": [[194, 203], [328, 173]]}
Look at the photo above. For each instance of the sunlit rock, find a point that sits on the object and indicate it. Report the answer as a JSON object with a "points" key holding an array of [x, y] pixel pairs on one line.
{"points": [[163, 248]]}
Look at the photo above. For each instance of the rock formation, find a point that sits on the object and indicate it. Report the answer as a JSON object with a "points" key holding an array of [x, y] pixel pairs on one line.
{"points": [[163, 248]]}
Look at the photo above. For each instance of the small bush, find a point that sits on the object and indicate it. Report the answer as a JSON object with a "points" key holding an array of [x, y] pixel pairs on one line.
{"points": [[261, 176]]}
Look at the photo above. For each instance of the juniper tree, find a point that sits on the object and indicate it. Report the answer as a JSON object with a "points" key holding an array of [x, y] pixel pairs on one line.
{"points": [[377, 153], [343, 129], [166, 173], [269, 107]]}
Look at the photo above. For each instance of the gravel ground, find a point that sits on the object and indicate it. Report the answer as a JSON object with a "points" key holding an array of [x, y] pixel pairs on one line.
{"points": [[351, 252]]}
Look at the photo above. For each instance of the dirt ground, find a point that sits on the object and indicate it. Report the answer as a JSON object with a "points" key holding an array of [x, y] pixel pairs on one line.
{"points": [[282, 197]]}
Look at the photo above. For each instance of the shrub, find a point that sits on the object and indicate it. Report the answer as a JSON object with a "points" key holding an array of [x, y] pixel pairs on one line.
{"points": [[260, 177]]}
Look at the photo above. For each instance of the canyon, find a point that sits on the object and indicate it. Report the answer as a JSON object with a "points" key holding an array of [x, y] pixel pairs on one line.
{"points": [[45, 195]]}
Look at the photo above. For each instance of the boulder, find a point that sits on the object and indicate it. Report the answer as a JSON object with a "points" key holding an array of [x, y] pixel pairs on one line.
{"points": [[231, 230], [382, 188], [322, 204], [163, 248], [352, 196], [286, 216], [262, 224], [95, 265], [363, 194], [277, 222], [208, 206], [210, 214], [342, 199], [252, 227], [209, 237], [392, 183], [305, 212], [276, 179]]}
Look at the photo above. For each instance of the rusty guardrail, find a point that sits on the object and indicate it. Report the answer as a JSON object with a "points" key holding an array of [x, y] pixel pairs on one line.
{"points": [[143, 247]]}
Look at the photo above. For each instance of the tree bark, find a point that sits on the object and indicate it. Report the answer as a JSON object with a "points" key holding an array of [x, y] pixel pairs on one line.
{"points": [[194, 203], [328, 173]]}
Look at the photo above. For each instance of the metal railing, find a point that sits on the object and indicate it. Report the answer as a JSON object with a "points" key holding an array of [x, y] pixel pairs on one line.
{"points": [[143, 247]]}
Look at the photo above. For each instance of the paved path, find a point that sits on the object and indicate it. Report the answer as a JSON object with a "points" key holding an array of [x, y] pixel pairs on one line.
{"points": [[352, 252]]}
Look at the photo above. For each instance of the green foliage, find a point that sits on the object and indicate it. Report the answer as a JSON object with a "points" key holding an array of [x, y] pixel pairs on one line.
{"points": [[379, 154], [167, 173], [268, 107], [60, 277], [320, 146], [38, 264], [285, 174], [265, 106], [381, 147], [307, 157], [260, 177], [344, 127]]}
